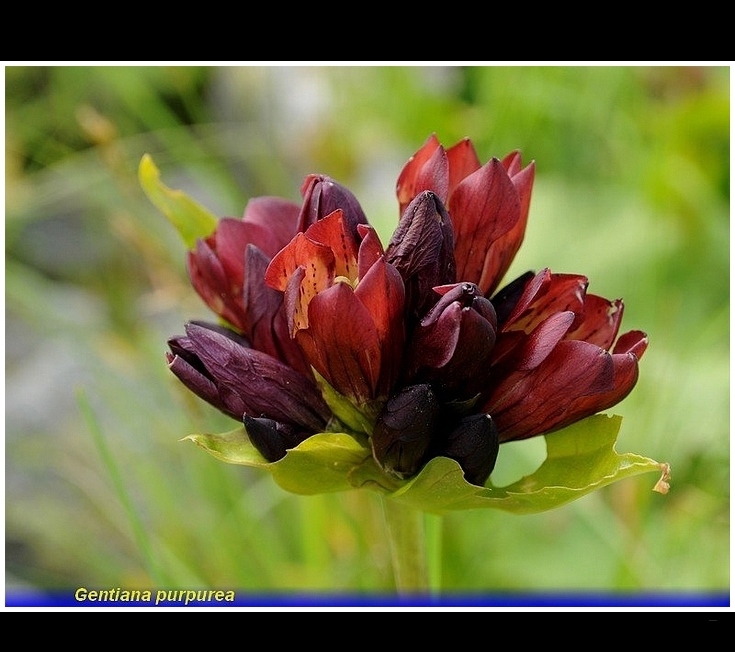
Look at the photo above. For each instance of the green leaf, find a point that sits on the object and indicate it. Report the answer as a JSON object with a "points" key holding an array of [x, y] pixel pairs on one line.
{"points": [[580, 459], [233, 447], [323, 463], [190, 219]]}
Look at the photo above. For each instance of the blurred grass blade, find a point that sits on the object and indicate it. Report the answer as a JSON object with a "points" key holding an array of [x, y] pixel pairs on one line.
{"points": [[136, 523], [190, 219], [433, 526]]}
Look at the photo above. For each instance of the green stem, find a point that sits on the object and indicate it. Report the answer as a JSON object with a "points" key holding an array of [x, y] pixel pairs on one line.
{"points": [[406, 536]]}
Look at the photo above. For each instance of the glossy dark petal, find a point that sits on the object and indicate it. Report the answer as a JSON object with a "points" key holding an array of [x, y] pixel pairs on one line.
{"points": [[435, 338], [405, 429], [194, 376], [474, 445], [272, 439], [192, 372]]}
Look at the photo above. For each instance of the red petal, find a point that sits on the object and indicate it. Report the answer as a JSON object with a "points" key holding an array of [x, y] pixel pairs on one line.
{"points": [[316, 259], [229, 242], [427, 169], [381, 292], [635, 342], [525, 352], [342, 343], [267, 329], [599, 321], [276, 217], [371, 249], [544, 295], [209, 279], [463, 161], [483, 207], [332, 231], [576, 380]]}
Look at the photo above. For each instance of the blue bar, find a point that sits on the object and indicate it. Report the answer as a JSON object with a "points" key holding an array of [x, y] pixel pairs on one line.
{"points": [[224, 598]]}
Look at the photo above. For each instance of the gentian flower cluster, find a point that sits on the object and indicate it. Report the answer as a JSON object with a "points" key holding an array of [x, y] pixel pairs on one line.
{"points": [[410, 346]]}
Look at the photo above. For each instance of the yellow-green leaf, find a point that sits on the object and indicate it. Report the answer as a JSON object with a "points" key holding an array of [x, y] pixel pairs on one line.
{"points": [[579, 460], [190, 219]]}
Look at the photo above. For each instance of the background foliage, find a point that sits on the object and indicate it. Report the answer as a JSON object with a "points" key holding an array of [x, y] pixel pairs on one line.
{"points": [[632, 190]]}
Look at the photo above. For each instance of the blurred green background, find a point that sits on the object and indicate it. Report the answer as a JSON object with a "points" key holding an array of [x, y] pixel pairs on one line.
{"points": [[632, 189]]}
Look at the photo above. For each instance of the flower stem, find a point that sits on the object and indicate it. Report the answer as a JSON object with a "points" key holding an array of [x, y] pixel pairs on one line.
{"points": [[406, 536]]}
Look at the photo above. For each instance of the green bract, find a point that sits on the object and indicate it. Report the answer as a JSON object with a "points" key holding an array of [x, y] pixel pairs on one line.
{"points": [[579, 459]]}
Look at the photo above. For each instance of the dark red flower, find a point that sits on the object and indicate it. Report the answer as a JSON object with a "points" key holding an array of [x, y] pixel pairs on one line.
{"points": [[415, 338], [558, 357], [344, 304]]}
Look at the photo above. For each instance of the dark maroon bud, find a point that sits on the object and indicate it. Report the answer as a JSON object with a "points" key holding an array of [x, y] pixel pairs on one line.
{"points": [[474, 445], [218, 365], [422, 250], [405, 430], [322, 196], [452, 345], [271, 438]]}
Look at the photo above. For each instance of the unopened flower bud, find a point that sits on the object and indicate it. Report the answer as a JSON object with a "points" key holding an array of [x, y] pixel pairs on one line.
{"points": [[405, 430], [422, 250], [474, 444], [271, 438], [322, 196]]}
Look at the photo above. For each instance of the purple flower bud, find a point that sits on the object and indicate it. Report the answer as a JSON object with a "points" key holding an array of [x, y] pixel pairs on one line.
{"points": [[474, 444], [271, 438], [405, 429], [452, 345], [222, 369], [422, 250], [322, 196]]}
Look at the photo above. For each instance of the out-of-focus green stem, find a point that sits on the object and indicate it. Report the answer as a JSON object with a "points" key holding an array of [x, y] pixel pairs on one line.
{"points": [[406, 536]]}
